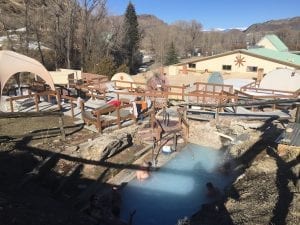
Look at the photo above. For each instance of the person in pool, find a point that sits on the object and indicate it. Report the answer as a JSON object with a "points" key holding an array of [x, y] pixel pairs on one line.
{"points": [[115, 218], [212, 191], [225, 169], [144, 172]]}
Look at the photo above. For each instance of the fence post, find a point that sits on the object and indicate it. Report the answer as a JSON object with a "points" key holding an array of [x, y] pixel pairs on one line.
{"points": [[119, 117], [297, 117], [36, 100], [61, 127], [11, 105], [58, 95]]}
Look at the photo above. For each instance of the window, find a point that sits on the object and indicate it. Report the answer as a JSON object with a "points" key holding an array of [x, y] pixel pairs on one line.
{"points": [[226, 67], [192, 65], [251, 68]]}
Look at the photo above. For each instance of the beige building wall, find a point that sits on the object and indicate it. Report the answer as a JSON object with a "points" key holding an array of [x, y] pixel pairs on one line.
{"points": [[216, 64], [266, 44], [61, 76], [172, 70]]}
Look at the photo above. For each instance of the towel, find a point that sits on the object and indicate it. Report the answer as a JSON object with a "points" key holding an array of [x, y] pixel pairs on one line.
{"points": [[144, 105], [78, 102], [114, 102], [134, 108], [148, 101]]}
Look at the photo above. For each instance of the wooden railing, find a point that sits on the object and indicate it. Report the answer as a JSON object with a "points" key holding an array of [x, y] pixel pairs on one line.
{"points": [[177, 91], [170, 90], [254, 84], [268, 91], [184, 123], [211, 87], [91, 78], [209, 97], [131, 86], [36, 97], [266, 94]]}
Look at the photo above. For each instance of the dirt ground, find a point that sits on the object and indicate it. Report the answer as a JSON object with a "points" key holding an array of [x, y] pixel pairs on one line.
{"points": [[266, 179], [56, 192], [47, 180], [266, 190]]}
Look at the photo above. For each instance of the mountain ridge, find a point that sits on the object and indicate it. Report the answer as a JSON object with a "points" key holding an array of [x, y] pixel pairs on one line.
{"points": [[292, 23]]}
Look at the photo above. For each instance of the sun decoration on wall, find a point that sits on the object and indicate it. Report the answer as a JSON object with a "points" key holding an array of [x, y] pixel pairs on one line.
{"points": [[239, 60]]}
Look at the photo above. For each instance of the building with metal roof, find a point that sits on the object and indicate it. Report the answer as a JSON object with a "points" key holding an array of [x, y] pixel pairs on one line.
{"points": [[279, 56], [271, 55], [272, 42]]}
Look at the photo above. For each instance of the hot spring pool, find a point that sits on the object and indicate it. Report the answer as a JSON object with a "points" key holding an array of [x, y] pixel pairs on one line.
{"points": [[176, 190]]}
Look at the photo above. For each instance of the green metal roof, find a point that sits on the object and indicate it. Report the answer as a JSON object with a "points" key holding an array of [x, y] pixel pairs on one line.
{"points": [[278, 44], [281, 56]]}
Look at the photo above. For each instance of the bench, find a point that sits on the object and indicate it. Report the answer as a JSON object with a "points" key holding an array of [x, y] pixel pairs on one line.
{"points": [[107, 116]]}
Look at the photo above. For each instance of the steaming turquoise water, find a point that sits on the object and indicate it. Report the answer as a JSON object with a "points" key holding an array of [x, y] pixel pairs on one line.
{"points": [[176, 190]]}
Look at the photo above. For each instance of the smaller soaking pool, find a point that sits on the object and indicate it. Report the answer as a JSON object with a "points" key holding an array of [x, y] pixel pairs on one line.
{"points": [[176, 190]]}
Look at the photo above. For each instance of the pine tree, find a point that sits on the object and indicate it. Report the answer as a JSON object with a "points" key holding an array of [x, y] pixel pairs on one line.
{"points": [[106, 66], [171, 56], [131, 39]]}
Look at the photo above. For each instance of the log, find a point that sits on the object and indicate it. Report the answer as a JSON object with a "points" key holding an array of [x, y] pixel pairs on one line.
{"points": [[4, 115], [116, 146], [244, 103]]}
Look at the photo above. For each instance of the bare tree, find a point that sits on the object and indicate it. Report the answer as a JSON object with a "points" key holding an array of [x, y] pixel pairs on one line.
{"points": [[27, 24], [72, 9], [187, 35], [92, 11]]}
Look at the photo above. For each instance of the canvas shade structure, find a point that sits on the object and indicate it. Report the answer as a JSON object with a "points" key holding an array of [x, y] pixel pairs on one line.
{"points": [[12, 63], [123, 77], [215, 78], [281, 79]]}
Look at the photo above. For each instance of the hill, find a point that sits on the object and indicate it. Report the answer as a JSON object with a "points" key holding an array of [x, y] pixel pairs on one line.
{"points": [[47, 22], [12, 13], [275, 25]]}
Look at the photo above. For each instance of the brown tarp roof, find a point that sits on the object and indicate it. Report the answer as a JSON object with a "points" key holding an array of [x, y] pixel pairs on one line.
{"points": [[12, 63]]}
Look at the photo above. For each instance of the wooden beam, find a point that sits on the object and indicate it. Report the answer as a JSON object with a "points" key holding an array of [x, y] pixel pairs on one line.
{"points": [[4, 115], [244, 103]]}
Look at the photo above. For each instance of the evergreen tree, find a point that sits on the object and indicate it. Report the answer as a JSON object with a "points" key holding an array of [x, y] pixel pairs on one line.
{"points": [[171, 56], [131, 39], [106, 66]]}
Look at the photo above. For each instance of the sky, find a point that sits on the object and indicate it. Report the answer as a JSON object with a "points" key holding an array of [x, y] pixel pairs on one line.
{"points": [[212, 14]]}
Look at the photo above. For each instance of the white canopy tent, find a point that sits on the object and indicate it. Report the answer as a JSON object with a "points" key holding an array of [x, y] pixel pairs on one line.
{"points": [[123, 77], [12, 63], [281, 79]]}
